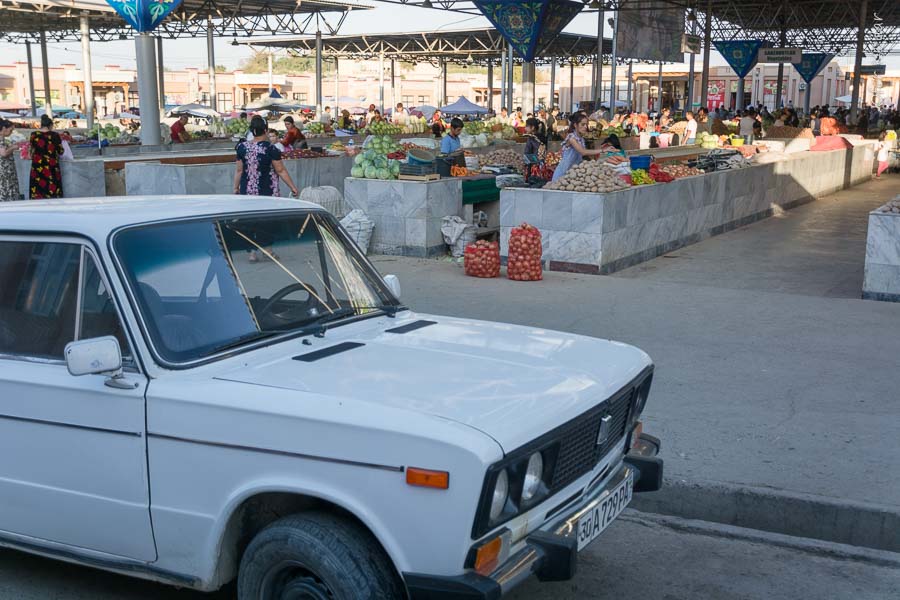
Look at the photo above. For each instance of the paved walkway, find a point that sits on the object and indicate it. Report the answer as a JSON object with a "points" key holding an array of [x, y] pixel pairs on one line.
{"points": [[817, 249]]}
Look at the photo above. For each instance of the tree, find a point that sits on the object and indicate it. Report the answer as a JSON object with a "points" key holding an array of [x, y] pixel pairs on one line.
{"points": [[283, 65], [221, 69]]}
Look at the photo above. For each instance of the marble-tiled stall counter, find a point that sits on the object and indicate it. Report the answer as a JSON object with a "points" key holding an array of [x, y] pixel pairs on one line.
{"points": [[407, 214], [154, 178], [882, 279], [603, 233], [80, 178]]}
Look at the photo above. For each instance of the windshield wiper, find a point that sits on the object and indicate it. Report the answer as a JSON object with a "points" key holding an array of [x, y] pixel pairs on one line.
{"points": [[241, 340], [318, 326]]}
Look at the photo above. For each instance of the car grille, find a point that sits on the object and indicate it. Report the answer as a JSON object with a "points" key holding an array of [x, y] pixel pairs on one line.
{"points": [[579, 451]]}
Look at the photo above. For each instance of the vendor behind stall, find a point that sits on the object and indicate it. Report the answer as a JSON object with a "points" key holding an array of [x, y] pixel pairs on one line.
{"points": [[293, 137], [573, 150], [535, 138], [178, 131], [451, 143]]}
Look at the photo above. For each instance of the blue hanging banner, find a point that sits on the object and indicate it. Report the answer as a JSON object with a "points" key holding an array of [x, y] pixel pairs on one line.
{"points": [[741, 55], [529, 25], [144, 15], [812, 64]]}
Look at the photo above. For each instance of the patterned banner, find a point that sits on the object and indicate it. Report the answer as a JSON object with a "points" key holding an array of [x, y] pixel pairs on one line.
{"points": [[144, 15], [529, 25], [741, 55], [812, 64]]}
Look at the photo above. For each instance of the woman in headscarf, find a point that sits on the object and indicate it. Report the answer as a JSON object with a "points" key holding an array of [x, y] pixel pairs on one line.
{"points": [[46, 148]]}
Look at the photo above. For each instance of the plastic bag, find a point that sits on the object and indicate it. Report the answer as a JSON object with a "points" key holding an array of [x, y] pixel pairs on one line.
{"points": [[326, 196], [466, 140], [525, 254], [482, 259], [457, 234], [360, 228]]}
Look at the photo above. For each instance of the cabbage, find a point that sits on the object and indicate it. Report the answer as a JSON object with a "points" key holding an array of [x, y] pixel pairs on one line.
{"points": [[371, 172], [384, 174], [395, 168], [357, 171], [358, 159]]}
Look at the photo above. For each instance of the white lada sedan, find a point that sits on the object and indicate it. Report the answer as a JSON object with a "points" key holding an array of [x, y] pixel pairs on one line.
{"points": [[199, 389]]}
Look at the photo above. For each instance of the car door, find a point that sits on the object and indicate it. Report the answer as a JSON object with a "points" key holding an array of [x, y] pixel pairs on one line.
{"points": [[73, 467]]}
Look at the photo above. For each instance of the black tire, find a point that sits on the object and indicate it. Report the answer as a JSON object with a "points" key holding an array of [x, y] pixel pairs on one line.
{"points": [[316, 555]]}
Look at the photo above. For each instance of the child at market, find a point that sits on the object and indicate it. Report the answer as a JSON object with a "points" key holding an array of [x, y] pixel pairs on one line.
{"points": [[690, 132], [882, 157]]}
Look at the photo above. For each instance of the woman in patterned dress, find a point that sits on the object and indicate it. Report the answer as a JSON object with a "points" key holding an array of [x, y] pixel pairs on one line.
{"points": [[9, 181], [46, 148], [258, 167]]}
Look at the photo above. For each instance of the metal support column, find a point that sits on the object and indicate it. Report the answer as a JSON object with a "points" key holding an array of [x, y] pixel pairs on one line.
{"points": [[630, 82], [503, 103], [690, 90], [30, 78], [739, 101], [48, 105], [778, 86], [807, 96], [598, 94], [857, 62], [659, 90], [613, 84], [88, 89], [271, 76], [394, 88], [571, 107], [162, 75], [490, 86], [337, 90], [528, 87], [552, 100], [145, 51], [511, 78], [380, 79], [211, 57], [319, 75], [444, 101], [707, 42]]}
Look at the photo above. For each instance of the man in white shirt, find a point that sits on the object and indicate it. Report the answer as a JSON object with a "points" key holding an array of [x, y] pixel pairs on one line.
{"points": [[400, 116], [690, 132], [326, 116], [746, 126]]}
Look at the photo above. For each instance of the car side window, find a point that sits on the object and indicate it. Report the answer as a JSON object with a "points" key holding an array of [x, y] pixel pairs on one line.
{"points": [[99, 316], [38, 297]]}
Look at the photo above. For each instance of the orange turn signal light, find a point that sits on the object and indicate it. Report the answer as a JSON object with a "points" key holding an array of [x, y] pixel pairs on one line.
{"points": [[428, 478], [636, 433], [487, 557]]}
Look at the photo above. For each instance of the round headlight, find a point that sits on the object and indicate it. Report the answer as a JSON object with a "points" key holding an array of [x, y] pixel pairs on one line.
{"points": [[501, 491], [533, 476]]}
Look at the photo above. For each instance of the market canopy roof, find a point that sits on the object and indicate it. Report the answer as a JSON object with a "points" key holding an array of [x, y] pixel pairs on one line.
{"points": [[463, 107], [463, 46], [24, 19]]}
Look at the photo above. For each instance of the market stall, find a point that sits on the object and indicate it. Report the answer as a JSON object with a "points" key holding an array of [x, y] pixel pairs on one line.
{"points": [[882, 278]]}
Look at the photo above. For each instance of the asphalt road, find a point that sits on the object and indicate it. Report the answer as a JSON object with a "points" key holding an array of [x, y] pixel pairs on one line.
{"points": [[634, 558]]}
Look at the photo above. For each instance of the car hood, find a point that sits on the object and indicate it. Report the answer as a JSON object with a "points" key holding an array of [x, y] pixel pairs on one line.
{"points": [[511, 382]]}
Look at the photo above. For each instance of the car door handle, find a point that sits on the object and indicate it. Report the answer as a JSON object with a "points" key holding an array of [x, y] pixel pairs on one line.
{"points": [[119, 382]]}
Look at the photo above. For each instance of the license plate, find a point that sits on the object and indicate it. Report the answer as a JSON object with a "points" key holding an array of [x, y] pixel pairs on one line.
{"points": [[596, 520]]}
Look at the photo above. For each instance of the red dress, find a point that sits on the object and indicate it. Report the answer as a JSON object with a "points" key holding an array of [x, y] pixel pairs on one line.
{"points": [[46, 176]]}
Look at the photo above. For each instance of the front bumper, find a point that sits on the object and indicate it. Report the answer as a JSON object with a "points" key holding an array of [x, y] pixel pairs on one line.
{"points": [[550, 552]]}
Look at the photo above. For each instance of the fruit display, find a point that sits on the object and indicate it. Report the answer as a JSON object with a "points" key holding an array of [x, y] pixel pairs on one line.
{"points": [[295, 153], [785, 132], [372, 164], [589, 176], [641, 177], [482, 259], [383, 128], [238, 127], [201, 134], [314, 128], [679, 171], [107, 132], [524, 261], [658, 175], [708, 140]]}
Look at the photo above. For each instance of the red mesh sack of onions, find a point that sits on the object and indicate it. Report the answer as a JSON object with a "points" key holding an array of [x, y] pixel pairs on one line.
{"points": [[524, 261], [482, 259]]}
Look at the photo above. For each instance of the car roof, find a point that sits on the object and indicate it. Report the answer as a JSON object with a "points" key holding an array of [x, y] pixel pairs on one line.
{"points": [[97, 217]]}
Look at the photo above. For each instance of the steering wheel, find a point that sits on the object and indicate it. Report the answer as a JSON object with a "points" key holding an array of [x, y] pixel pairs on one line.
{"points": [[292, 313]]}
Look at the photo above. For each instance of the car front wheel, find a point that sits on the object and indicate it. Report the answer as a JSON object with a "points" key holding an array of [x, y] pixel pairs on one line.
{"points": [[316, 556]]}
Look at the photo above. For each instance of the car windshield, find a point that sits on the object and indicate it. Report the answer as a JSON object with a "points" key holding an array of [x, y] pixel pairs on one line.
{"points": [[205, 286]]}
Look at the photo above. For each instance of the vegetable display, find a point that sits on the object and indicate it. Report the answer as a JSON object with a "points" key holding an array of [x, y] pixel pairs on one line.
{"points": [[482, 259], [238, 127], [374, 163], [509, 158], [589, 176], [475, 127], [708, 140], [785, 132], [641, 177], [383, 128], [297, 153], [314, 128], [524, 261], [107, 132], [658, 175], [679, 171]]}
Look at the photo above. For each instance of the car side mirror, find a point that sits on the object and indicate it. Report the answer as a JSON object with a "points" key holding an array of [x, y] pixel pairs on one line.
{"points": [[96, 356], [393, 284]]}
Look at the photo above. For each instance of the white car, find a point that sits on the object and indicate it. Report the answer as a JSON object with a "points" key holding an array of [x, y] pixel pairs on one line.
{"points": [[199, 389]]}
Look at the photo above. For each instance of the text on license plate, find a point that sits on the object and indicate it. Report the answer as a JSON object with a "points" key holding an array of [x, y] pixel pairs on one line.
{"points": [[596, 520]]}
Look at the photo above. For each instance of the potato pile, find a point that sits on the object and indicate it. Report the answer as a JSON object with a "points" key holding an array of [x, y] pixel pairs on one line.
{"points": [[892, 207], [680, 127], [679, 171], [506, 157], [589, 176], [482, 259]]}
